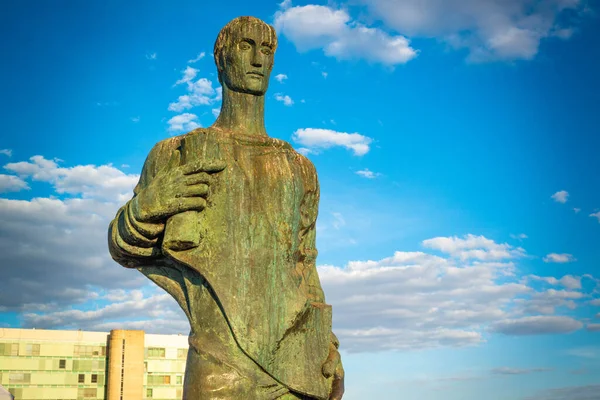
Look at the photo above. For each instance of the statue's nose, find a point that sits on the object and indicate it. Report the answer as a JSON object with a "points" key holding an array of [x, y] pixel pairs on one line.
{"points": [[256, 61]]}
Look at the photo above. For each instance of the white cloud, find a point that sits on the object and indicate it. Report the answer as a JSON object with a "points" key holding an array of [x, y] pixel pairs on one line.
{"points": [[6, 152], [587, 392], [55, 249], [491, 30], [285, 99], [103, 182], [593, 327], [596, 215], [520, 236], [536, 325], [11, 183], [199, 57], [135, 119], [577, 210], [216, 112], [151, 56], [415, 300], [568, 281], [473, 247], [560, 197], [281, 77], [517, 371], [559, 258], [338, 221], [366, 173], [324, 74], [199, 93], [183, 122], [314, 26], [316, 139], [584, 352], [189, 73], [548, 301]]}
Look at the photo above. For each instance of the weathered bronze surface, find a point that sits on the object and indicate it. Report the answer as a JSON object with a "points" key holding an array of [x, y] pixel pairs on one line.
{"points": [[223, 219]]}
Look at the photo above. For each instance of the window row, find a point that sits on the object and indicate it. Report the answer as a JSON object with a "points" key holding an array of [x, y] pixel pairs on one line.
{"points": [[33, 349]]}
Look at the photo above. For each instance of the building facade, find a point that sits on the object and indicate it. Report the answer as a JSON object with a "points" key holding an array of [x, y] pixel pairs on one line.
{"points": [[72, 365]]}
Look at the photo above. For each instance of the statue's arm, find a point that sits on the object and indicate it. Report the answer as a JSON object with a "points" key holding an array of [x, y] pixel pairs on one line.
{"points": [[133, 243]]}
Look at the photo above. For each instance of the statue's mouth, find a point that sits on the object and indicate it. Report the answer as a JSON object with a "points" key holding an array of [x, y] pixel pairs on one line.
{"points": [[255, 73]]}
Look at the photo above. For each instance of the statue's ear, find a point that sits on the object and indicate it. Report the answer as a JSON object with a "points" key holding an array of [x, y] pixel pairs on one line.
{"points": [[221, 63]]}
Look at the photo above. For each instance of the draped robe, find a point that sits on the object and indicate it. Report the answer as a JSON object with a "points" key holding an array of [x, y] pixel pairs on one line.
{"points": [[249, 286]]}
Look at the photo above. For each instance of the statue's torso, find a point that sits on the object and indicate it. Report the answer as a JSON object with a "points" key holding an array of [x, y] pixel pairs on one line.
{"points": [[249, 253]]}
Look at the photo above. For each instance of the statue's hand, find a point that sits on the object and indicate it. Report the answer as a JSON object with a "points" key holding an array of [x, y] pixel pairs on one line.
{"points": [[175, 189], [333, 367]]}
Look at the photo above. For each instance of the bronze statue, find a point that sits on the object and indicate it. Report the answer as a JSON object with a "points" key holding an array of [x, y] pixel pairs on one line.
{"points": [[223, 219]]}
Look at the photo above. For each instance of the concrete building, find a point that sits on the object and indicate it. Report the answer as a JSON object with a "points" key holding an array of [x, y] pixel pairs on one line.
{"points": [[38, 364]]}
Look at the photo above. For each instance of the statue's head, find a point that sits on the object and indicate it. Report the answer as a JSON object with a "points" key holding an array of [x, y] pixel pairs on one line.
{"points": [[244, 53]]}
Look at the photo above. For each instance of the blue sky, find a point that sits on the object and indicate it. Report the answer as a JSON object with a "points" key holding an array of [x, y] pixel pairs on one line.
{"points": [[456, 145]]}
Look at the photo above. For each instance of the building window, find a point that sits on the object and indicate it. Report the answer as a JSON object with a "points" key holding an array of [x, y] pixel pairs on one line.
{"points": [[32, 349], [62, 364], [182, 353], [178, 379], [81, 378], [149, 393], [159, 379], [87, 393], [19, 378], [94, 378], [158, 352], [9, 349]]}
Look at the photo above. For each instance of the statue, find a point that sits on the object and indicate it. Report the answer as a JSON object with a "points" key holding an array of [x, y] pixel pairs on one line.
{"points": [[223, 219]]}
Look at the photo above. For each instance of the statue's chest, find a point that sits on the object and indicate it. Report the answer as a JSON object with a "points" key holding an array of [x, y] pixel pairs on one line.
{"points": [[261, 179]]}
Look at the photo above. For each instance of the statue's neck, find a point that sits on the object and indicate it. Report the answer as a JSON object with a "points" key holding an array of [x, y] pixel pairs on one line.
{"points": [[242, 113]]}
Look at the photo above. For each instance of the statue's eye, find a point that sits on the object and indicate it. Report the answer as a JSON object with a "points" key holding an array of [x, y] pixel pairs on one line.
{"points": [[266, 51], [245, 46]]}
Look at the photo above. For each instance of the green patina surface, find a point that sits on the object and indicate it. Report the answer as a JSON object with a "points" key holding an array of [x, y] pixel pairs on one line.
{"points": [[224, 219]]}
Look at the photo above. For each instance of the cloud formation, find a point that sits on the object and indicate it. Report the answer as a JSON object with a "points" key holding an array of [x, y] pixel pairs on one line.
{"points": [[54, 248], [199, 92], [183, 122], [559, 258], [561, 196], [199, 57], [315, 26], [11, 183], [517, 371], [281, 77], [285, 99], [315, 139], [415, 300], [490, 30], [474, 247], [367, 173]]}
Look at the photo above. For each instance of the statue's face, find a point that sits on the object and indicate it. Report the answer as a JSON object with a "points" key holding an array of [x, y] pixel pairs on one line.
{"points": [[248, 60]]}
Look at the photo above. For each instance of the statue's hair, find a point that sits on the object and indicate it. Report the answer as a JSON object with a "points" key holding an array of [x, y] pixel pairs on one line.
{"points": [[226, 35]]}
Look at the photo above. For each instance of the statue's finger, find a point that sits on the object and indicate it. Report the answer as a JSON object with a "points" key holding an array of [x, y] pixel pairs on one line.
{"points": [[195, 190], [204, 166], [194, 179], [191, 204]]}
